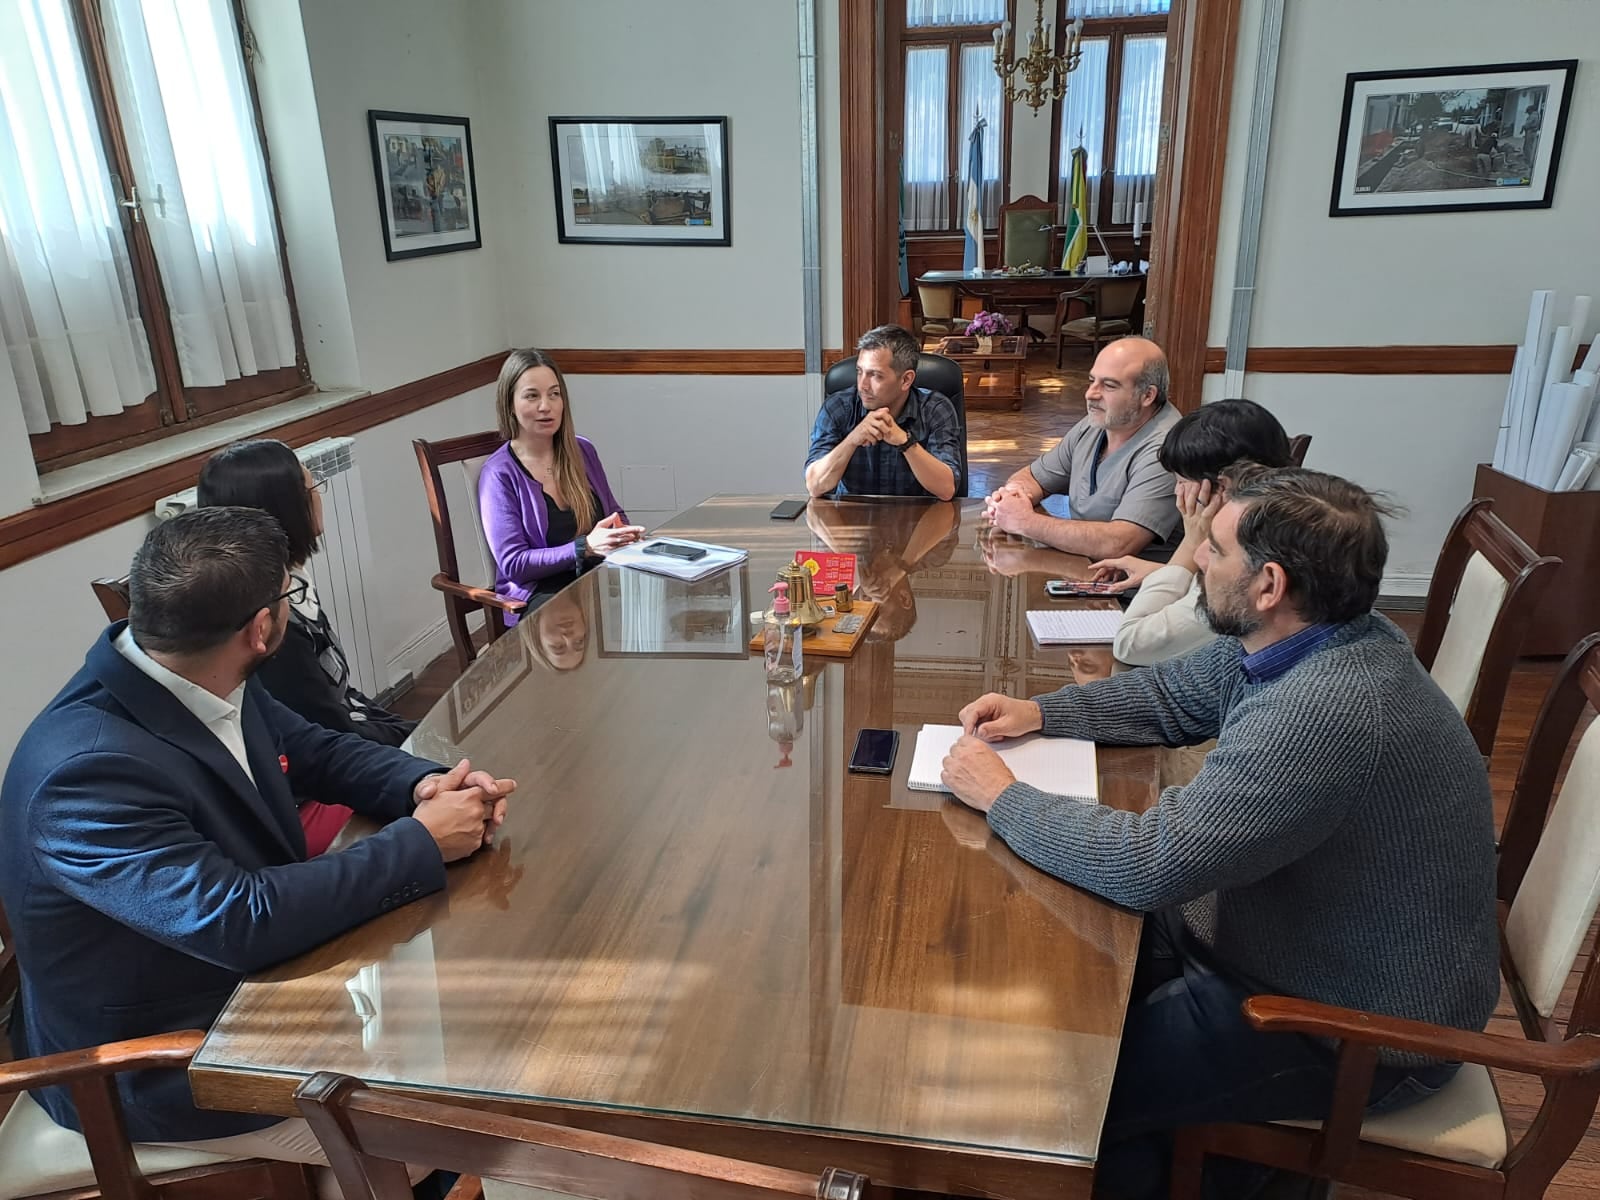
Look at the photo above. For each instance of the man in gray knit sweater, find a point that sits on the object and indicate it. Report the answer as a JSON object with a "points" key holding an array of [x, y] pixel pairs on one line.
{"points": [[1337, 845]]}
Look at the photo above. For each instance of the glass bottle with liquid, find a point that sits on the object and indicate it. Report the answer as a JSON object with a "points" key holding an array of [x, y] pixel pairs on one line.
{"points": [[782, 639]]}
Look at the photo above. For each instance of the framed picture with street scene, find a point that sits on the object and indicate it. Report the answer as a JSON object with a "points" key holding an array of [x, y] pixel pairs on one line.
{"points": [[1451, 139], [641, 181], [427, 191]]}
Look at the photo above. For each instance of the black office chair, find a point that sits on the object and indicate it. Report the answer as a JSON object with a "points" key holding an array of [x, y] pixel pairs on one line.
{"points": [[934, 372]]}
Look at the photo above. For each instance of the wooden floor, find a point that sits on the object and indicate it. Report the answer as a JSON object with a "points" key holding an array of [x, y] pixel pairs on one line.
{"points": [[998, 443]]}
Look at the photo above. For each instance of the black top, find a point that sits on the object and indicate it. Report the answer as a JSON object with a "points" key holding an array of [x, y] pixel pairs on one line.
{"points": [[561, 527]]}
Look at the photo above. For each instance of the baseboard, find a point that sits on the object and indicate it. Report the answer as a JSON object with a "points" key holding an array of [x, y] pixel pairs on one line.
{"points": [[413, 658], [1404, 592]]}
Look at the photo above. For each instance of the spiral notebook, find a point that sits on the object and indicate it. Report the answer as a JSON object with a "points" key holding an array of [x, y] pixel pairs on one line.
{"points": [[1080, 626], [1061, 766]]}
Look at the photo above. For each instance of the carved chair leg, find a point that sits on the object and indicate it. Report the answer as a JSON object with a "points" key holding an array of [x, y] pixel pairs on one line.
{"points": [[455, 617]]}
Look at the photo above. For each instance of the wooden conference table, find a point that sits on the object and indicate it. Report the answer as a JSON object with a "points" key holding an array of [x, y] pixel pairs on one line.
{"points": [[698, 928]]}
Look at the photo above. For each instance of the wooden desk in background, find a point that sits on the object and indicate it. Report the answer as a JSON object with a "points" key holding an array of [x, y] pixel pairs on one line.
{"points": [[698, 928]]}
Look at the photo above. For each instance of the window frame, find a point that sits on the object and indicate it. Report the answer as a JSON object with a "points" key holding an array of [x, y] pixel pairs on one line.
{"points": [[1116, 30], [172, 407], [952, 38]]}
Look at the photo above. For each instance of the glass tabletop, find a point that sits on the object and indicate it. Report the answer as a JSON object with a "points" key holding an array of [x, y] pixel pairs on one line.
{"points": [[695, 911]]}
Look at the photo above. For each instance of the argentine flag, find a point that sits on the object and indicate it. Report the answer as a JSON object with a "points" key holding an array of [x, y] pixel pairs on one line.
{"points": [[972, 256]]}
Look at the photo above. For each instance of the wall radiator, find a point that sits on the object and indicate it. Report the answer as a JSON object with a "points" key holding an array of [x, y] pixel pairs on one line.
{"points": [[342, 568]]}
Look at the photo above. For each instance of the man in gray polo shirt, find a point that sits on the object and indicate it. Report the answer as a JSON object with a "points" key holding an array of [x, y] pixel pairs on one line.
{"points": [[1122, 500]]}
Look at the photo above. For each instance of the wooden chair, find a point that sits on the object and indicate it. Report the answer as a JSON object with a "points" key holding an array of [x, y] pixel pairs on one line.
{"points": [[367, 1135], [461, 598], [1486, 587], [38, 1158], [1113, 315], [113, 597], [1455, 1144], [1027, 228], [938, 302], [1298, 445]]}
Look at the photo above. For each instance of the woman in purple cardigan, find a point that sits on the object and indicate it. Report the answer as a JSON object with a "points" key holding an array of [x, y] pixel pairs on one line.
{"points": [[542, 493]]}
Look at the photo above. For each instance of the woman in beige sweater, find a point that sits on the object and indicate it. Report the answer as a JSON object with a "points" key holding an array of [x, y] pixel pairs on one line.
{"points": [[1163, 622]]}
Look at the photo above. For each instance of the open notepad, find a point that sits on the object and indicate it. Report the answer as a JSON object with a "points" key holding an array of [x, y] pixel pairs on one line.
{"points": [[1081, 626], [1062, 766]]}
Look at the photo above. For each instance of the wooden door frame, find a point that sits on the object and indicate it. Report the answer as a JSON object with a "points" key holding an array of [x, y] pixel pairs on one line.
{"points": [[1201, 42]]}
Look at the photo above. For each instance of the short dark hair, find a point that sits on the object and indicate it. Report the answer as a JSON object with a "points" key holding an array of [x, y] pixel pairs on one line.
{"points": [[902, 347], [1155, 374], [200, 576], [263, 473], [1325, 532], [1204, 443]]}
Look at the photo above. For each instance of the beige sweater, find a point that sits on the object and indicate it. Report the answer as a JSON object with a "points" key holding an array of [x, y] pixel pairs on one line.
{"points": [[1162, 621]]}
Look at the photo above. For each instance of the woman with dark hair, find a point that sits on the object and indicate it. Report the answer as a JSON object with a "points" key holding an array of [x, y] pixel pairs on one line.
{"points": [[1163, 621], [309, 673], [542, 494]]}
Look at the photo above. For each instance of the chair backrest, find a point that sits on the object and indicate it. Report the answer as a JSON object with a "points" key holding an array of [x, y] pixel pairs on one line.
{"points": [[1549, 871], [113, 597], [1486, 586], [368, 1135], [1026, 226], [450, 470], [938, 301], [934, 372], [1118, 298], [1298, 445]]}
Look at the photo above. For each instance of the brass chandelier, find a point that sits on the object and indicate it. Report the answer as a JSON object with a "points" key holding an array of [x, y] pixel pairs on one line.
{"points": [[1039, 65]]}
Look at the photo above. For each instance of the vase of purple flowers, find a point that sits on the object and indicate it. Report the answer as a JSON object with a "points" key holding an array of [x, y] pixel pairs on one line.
{"points": [[986, 326]]}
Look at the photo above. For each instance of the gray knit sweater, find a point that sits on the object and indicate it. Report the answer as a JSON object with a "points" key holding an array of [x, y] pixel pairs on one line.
{"points": [[1338, 844]]}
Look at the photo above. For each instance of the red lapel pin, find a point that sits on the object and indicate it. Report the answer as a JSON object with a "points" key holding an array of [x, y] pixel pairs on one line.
{"points": [[283, 761]]}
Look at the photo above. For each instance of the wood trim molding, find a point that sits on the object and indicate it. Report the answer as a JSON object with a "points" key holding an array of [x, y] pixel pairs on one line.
{"points": [[866, 251], [1372, 360], [680, 362], [50, 526]]}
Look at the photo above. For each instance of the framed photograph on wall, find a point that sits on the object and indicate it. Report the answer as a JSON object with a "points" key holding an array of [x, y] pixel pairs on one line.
{"points": [[641, 181], [427, 192], [1451, 139]]}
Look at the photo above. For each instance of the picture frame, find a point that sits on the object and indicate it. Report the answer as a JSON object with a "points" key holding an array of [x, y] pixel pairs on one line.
{"points": [[1451, 139], [644, 615], [641, 181], [427, 184], [503, 664]]}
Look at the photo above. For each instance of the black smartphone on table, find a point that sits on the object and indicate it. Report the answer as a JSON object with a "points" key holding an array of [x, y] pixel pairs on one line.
{"points": [[675, 550], [788, 510], [875, 751]]}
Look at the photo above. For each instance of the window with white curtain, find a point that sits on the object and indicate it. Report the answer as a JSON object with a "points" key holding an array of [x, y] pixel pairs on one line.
{"points": [[924, 13], [1113, 107], [950, 83], [99, 347]]}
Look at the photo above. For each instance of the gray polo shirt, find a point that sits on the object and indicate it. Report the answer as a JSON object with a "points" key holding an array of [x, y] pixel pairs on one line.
{"points": [[1129, 484]]}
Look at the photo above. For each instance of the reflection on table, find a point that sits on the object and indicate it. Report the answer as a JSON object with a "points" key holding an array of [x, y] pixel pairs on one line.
{"points": [[699, 928]]}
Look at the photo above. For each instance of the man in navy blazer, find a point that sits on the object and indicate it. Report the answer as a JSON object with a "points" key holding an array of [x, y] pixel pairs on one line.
{"points": [[150, 852]]}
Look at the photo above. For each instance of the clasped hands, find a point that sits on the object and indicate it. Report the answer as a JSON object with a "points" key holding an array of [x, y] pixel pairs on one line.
{"points": [[972, 770], [462, 808], [878, 426], [611, 534], [1008, 508]]}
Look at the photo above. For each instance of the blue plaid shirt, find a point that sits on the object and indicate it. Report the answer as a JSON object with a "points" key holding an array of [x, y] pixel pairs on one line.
{"points": [[1272, 661], [882, 470]]}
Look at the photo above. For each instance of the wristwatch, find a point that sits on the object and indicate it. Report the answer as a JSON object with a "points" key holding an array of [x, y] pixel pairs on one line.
{"points": [[905, 446]]}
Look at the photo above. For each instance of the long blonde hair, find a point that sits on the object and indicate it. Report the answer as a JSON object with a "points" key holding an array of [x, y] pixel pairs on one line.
{"points": [[571, 477]]}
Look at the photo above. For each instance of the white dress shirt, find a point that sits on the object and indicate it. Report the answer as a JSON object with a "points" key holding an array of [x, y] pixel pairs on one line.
{"points": [[221, 717]]}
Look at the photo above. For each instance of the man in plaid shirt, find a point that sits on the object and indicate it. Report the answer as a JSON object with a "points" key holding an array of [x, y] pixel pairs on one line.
{"points": [[885, 437]]}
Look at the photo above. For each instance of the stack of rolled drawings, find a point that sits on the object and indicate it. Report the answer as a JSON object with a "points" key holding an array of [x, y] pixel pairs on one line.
{"points": [[1550, 426]]}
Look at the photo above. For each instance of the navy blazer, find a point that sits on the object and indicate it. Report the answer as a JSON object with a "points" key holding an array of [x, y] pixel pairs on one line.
{"points": [[145, 876]]}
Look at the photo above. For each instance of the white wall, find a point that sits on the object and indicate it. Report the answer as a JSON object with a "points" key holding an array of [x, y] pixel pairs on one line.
{"points": [[1443, 278]]}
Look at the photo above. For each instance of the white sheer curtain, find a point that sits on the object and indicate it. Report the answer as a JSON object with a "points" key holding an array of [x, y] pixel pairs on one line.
{"points": [[191, 131], [980, 97], [1084, 108], [922, 13], [69, 315], [1117, 8], [1138, 125], [927, 141]]}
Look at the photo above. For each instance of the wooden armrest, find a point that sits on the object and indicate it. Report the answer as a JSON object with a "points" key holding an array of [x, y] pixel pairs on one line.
{"points": [[477, 595], [1577, 1055], [138, 1054]]}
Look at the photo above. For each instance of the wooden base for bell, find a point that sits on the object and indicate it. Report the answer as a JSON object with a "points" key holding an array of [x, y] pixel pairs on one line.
{"points": [[825, 643]]}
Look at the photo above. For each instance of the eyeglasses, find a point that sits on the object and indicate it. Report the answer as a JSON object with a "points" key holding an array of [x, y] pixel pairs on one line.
{"points": [[295, 595], [318, 485]]}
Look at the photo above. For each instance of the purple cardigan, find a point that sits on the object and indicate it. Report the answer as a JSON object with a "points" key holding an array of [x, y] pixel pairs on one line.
{"points": [[514, 521]]}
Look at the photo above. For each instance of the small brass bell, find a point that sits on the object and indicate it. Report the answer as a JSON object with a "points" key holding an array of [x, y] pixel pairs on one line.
{"points": [[803, 607]]}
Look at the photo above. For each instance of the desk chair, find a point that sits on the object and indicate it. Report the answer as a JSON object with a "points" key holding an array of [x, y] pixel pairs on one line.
{"points": [[934, 372], [38, 1158], [1027, 225], [1455, 1144], [1114, 313], [368, 1135], [461, 598], [1298, 445], [1487, 585], [938, 301]]}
